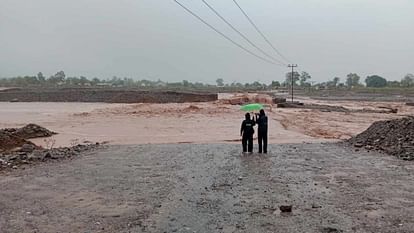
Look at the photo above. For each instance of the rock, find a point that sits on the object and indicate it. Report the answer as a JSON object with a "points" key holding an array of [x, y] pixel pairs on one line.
{"points": [[315, 206], [36, 155], [57, 154], [22, 155], [358, 145], [47, 155], [28, 148], [12, 157], [286, 208], [369, 147], [330, 230]]}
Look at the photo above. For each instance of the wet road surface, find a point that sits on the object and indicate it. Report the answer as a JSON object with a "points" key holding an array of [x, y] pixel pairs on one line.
{"points": [[212, 188]]}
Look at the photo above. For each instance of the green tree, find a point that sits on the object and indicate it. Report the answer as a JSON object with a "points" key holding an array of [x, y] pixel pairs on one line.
{"points": [[41, 77], [336, 81], [258, 85], [83, 80], [275, 84], [220, 82], [288, 80], [72, 81], [303, 79], [95, 81], [30, 80], [375, 81], [58, 78], [408, 80], [186, 83], [352, 80], [330, 84], [393, 84]]}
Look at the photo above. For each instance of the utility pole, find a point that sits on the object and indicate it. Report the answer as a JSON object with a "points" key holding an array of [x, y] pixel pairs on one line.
{"points": [[292, 66]]}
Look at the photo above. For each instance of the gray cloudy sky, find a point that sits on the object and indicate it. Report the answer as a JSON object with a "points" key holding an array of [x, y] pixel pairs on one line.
{"points": [[157, 39]]}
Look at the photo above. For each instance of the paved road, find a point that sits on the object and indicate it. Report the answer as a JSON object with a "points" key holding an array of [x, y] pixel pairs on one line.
{"points": [[211, 188]]}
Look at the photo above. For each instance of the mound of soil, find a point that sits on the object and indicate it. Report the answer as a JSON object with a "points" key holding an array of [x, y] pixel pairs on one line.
{"points": [[11, 138], [9, 142], [31, 131], [395, 137]]}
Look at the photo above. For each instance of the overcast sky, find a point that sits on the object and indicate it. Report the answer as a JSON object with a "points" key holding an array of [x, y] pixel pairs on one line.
{"points": [[156, 39]]}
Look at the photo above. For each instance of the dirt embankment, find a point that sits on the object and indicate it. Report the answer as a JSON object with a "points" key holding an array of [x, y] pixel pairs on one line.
{"points": [[333, 108], [374, 95], [103, 95]]}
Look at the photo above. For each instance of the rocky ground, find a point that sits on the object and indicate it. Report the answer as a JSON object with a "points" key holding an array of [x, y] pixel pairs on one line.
{"points": [[395, 137], [29, 154], [212, 188]]}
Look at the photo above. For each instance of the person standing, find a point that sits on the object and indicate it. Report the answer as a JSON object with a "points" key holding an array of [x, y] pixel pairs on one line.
{"points": [[246, 132], [261, 121]]}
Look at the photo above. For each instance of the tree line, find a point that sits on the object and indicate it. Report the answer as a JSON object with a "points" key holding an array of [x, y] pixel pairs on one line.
{"points": [[352, 80], [303, 80]]}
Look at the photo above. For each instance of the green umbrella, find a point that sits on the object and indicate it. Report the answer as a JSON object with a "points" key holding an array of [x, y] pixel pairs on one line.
{"points": [[251, 107]]}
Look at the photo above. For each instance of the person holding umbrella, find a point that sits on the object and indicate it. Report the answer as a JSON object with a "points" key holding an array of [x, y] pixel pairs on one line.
{"points": [[247, 129], [261, 121], [246, 132]]}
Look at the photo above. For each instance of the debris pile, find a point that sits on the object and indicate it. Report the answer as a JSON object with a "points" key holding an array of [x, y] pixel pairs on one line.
{"points": [[12, 138], [241, 99], [30, 154], [9, 141], [278, 100], [32, 131], [395, 137]]}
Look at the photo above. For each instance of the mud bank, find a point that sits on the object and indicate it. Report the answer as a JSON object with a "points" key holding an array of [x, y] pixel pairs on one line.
{"points": [[102, 95]]}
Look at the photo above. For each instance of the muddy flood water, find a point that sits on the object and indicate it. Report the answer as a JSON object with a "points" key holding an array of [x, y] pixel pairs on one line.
{"points": [[212, 122]]}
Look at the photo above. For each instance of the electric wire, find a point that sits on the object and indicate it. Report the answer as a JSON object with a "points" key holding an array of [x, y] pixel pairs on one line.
{"points": [[226, 37], [260, 32], [241, 34]]}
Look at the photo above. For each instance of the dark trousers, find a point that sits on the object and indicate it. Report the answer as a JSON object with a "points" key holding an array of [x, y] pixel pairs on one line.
{"points": [[247, 142], [262, 138]]}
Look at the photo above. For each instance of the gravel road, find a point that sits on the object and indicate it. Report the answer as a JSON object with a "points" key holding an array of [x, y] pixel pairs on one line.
{"points": [[211, 188]]}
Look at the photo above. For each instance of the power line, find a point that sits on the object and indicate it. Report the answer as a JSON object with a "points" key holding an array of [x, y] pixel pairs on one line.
{"points": [[241, 34], [226, 37], [259, 31]]}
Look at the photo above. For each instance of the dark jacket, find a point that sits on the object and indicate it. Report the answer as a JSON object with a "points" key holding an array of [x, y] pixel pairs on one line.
{"points": [[261, 121], [247, 129]]}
